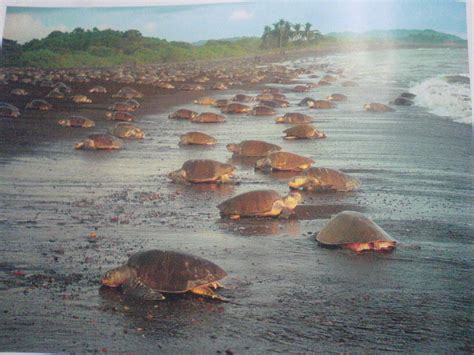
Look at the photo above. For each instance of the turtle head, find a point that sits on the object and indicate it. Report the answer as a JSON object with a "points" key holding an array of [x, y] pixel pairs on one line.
{"points": [[279, 119], [305, 182], [367, 106], [263, 164], [139, 133], [116, 277], [63, 122], [183, 140], [232, 147], [292, 200], [177, 175], [108, 114], [85, 144]]}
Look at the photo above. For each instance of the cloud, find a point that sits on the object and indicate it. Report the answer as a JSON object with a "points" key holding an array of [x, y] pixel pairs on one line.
{"points": [[240, 15], [150, 26], [23, 28], [104, 26]]}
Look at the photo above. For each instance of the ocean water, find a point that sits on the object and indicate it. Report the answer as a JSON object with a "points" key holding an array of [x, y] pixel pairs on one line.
{"points": [[289, 295]]}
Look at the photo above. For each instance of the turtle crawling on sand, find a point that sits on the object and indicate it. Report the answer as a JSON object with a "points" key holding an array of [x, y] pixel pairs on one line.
{"points": [[236, 108], [149, 274], [252, 148], [128, 93], [259, 203], [98, 90], [128, 130], [119, 116], [203, 171], [284, 161], [206, 101], [261, 110], [39, 104], [324, 179], [183, 114], [303, 131], [77, 121], [208, 117], [352, 230], [81, 99], [294, 118], [196, 138], [8, 110], [100, 142]]}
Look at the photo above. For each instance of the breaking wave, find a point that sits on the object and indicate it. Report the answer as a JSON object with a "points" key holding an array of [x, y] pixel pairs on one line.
{"points": [[447, 96]]}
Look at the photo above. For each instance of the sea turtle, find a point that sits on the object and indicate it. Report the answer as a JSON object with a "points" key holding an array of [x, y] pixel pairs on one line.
{"points": [[262, 111], [134, 103], [294, 118], [127, 130], [401, 101], [208, 117], [303, 131], [98, 90], [284, 161], [252, 148], [81, 99], [191, 87], [243, 98], [307, 101], [259, 203], [207, 101], [183, 114], [119, 116], [352, 230], [122, 106], [164, 85], [219, 86], [56, 94], [301, 88], [324, 179], [221, 103], [275, 103], [100, 142], [236, 107], [336, 97], [149, 274], [376, 107], [8, 110], [408, 95], [322, 104], [39, 104], [77, 121], [128, 93], [19, 92], [203, 171], [196, 138]]}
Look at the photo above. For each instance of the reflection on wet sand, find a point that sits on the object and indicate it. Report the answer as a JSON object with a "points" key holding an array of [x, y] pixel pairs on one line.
{"points": [[309, 212], [221, 190], [261, 227]]}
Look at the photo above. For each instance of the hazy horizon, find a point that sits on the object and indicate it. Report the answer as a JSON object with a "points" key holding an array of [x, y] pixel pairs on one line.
{"points": [[218, 21]]}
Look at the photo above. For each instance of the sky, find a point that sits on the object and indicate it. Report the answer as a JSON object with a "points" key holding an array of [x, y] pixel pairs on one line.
{"points": [[193, 23]]}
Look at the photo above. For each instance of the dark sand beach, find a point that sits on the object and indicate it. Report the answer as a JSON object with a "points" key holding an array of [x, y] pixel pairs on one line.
{"points": [[287, 293]]}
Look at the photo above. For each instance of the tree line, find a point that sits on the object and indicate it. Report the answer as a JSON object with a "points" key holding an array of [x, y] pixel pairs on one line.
{"points": [[282, 33]]}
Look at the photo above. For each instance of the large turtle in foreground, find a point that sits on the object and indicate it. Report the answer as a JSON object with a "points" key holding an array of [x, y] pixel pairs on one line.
{"points": [[147, 275], [324, 179], [100, 142], [203, 171], [284, 161], [303, 131], [252, 148], [352, 230], [259, 203]]}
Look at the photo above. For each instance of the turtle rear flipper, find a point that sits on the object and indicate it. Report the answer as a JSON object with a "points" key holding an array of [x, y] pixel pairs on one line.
{"points": [[208, 292], [138, 290]]}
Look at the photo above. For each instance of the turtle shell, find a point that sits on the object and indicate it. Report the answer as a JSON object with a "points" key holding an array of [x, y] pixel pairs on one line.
{"points": [[253, 148], [250, 203], [127, 130], [79, 121], [263, 111], [288, 161], [333, 179], [203, 170], [39, 104], [173, 272], [105, 141], [296, 118], [302, 131], [236, 107], [208, 117], [351, 227], [122, 106], [183, 114], [323, 104], [199, 138]]}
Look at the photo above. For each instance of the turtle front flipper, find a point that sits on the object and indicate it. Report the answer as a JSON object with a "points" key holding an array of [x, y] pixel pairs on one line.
{"points": [[137, 290], [208, 292]]}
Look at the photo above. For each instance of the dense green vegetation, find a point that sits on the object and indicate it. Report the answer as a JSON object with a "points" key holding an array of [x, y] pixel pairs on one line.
{"points": [[95, 48]]}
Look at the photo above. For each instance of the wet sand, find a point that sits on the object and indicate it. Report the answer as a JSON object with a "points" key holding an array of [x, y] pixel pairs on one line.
{"points": [[287, 293]]}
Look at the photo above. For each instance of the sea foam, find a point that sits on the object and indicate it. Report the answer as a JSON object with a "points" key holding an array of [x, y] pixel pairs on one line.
{"points": [[446, 97]]}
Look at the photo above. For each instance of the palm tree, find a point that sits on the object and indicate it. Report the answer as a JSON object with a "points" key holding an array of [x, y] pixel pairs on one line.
{"points": [[307, 31], [297, 31]]}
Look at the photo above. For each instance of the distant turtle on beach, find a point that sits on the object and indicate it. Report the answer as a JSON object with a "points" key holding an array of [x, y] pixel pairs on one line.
{"points": [[98, 90], [183, 114], [401, 101], [56, 94], [119, 116], [262, 111], [39, 104], [197, 138], [77, 121], [128, 131], [336, 97], [19, 92], [148, 275], [322, 104], [376, 107], [259, 203], [122, 106], [284, 161], [128, 93], [100, 142], [252, 148], [8, 110], [304, 131], [134, 103], [324, 179], [208, 117], [81, 99], [221, 103], [352, 230], [236, 108], [207, 101], [243, 98], [203, 171], [294, 118]]}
